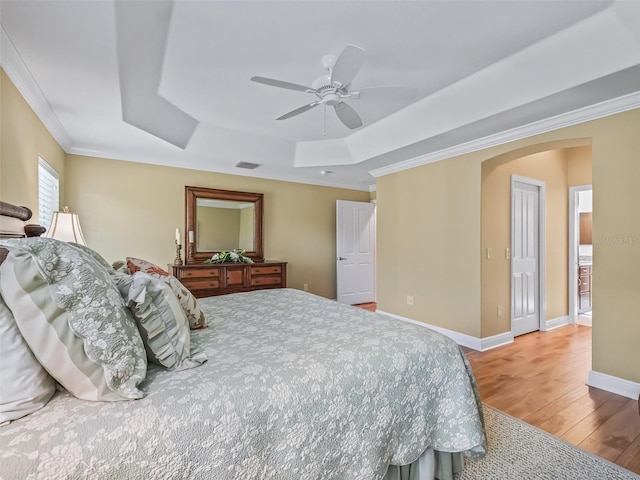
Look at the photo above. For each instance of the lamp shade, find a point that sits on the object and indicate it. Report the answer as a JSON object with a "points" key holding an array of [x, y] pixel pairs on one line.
{"points": [[65, 226]]}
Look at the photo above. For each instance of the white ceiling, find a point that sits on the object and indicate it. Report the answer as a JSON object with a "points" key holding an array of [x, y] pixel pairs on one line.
{"points": [[182, 70]]}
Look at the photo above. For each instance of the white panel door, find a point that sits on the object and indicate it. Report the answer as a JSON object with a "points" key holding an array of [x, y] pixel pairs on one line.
{"points": [[356, 252], [525, 254]]}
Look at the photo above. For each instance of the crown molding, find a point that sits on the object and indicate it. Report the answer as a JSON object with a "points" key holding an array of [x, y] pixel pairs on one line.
{"points": [[249, 173], [15, 68], [585, 114]]}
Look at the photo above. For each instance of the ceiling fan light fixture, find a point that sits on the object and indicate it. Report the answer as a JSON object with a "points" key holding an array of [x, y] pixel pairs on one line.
{"points": [[331, 99]]}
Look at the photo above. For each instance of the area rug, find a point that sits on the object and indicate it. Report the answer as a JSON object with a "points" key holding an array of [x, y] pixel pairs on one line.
{"points": [[518, 451]]}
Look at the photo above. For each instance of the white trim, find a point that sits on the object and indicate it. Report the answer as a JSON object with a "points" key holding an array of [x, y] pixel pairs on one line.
{"points": [[489, 343], [21, 77], [475, 343], [557, 322], [542, 248], [582, 320], [612, 384], [574, 218], [581, 115]]}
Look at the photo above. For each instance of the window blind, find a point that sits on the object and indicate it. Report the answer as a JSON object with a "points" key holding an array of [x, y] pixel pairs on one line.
{"points": [[48, 192]]}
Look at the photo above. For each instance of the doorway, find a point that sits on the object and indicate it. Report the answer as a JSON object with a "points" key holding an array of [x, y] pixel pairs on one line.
{"points": [[580, 254], [355, 248], [527, 255]]}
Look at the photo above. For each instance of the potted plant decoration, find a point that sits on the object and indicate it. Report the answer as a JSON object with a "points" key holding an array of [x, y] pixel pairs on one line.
{"points": [[231, 256]]}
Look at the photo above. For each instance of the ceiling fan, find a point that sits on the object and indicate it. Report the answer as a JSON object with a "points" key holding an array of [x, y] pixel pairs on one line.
{"points": [[334, 87]]}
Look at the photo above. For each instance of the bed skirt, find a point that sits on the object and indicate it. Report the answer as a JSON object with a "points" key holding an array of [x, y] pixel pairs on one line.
{"points": [[429, 466]]}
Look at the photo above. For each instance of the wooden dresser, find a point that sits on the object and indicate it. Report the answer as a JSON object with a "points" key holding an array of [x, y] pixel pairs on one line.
{"points": [[217, 279]]}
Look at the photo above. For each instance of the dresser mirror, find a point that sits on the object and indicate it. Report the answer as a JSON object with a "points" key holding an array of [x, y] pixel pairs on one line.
{"points": [[219, 220]]}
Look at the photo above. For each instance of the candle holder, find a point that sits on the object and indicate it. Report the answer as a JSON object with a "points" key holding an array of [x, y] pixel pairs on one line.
{"points": [[178, 259]]}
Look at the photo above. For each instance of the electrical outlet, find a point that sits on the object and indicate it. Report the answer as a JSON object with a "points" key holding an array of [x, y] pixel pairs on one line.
{"points": [[305, 287], [410, 300], [499, 310], [507, 253]]}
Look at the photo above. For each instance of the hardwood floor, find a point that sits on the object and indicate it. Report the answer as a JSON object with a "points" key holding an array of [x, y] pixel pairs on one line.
{"points": [[540, 379], [368, 306]]}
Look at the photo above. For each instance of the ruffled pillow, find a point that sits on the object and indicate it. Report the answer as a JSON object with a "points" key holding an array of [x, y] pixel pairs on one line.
{"points": [[73, 318], [187, 300], [161, 321]]}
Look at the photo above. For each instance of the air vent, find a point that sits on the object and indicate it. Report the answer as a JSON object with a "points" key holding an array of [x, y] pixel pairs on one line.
{"points": [[247, 165]]}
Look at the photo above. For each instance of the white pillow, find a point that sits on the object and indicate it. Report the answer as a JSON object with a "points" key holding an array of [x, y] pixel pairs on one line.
{"points": [[24, 385]]}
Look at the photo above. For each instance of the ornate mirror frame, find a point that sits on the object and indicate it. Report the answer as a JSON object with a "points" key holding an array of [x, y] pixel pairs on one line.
{"points": [[192, 194]]}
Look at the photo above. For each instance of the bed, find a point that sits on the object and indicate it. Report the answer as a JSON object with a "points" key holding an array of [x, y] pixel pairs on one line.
{"points": [[295, 387]]}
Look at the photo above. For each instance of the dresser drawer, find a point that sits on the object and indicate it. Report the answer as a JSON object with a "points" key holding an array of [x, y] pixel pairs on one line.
{"points": [[219, 279], [201, 284], [266, 270], [266, 280], [200, 273], [584, 270]]}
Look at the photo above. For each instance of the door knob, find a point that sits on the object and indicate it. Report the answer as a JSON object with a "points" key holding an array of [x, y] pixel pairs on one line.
{"points": [[342, 258]]}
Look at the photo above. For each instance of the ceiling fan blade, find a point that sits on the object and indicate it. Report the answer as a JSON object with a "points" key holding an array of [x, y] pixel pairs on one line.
{"points": [[347, 65], [298, 111], [387, 94], [348, 115], [282, 84]]}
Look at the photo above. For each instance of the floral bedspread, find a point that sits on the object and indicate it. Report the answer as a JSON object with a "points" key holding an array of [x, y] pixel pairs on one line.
{"points": [[296, 387]]}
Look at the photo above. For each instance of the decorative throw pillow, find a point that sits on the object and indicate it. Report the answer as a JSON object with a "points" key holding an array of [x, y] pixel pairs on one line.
{"points": [[73, 318], [138, 265], [163, 326], [24, 386], [188, 302]]}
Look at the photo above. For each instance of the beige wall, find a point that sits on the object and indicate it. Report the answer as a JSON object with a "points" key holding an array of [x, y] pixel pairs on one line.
{"points": [[428, 231], [454, 236], [616, 246], [22, 138], [579, 167], [133, 209]]}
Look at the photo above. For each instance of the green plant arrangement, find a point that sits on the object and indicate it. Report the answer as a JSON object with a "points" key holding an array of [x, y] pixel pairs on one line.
{"points": [[231, 256]]}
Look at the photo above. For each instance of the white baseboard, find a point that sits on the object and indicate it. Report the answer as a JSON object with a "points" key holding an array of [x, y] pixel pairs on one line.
{"points": [[612, 384], [557, 322], [496, 341], [584, 320], [475, 343]]}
